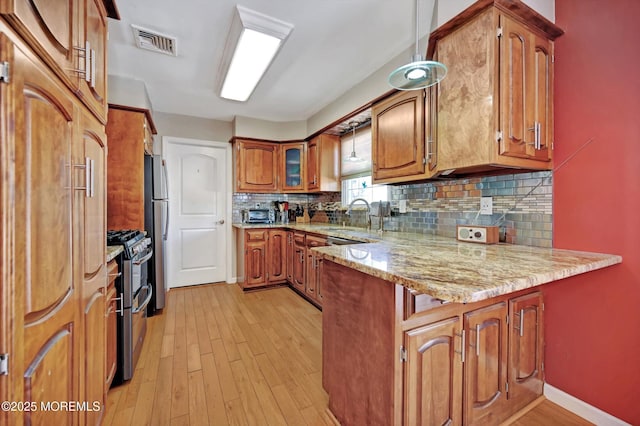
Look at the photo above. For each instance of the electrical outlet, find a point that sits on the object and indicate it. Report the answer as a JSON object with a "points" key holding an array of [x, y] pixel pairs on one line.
{"points": [[402, 206], [486, 205]]}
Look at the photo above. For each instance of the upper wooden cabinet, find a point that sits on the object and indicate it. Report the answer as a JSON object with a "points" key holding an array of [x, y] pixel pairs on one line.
{"points": [[495, 106], [263, 166], [293, 166], [71, 38], [128, 133], [93, 38], [323, 163], [256, 166], [403, 146]]}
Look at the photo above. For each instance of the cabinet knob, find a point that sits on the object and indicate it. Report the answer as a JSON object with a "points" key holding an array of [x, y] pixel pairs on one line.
{"points": [[221, 222]]}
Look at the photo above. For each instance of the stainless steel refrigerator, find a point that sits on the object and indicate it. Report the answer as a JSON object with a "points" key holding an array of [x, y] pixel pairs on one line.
{"points": [[156, 225]]}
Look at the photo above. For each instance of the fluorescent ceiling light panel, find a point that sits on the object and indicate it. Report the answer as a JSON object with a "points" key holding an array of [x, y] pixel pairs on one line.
{"points": [[254, 40]]}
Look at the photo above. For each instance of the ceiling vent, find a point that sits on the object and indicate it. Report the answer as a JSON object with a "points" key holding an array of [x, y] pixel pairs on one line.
{"points": [[154, 41]]}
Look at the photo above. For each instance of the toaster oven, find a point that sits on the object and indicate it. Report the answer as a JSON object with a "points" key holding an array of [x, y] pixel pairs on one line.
{"points": [[259, 216]]}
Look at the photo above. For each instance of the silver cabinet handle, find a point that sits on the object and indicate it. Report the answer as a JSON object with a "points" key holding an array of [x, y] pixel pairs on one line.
{"points": [[221, 222], [521, 322], [89, 176], [85, 52], [92, 57]]}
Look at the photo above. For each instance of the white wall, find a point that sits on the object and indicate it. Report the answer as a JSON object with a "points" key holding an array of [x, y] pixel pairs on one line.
{"points": [[270, 130], [184, 126], [128, 92]]}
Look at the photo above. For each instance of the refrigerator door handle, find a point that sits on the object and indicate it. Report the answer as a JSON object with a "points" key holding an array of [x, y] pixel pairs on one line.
{"points": [[166, 220]]}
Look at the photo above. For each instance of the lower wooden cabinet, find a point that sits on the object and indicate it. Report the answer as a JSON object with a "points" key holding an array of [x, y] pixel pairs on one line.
{"points": [[298, 261], [265, 257], [312, 282], [525, 374], [111, 315], [485, 365], [475, 363], [434, 394]]}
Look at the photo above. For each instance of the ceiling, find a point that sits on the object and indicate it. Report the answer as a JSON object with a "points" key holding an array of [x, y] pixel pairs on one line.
{"points": [[334, 45]]}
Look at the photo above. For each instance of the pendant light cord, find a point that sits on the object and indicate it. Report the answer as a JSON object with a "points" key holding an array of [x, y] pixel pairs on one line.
{"points": [[417, 27]]}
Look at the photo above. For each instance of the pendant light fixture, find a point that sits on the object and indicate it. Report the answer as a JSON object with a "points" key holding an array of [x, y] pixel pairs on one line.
{"points": [[419, 73], [353, 158]]}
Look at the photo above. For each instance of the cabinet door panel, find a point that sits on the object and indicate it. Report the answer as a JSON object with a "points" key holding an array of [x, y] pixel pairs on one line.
{"points": [[255, 264], [290, 257], [298, 267], [525, 350], [293, 168], [276, 254], [313, 165], [518, 121], [433, 375], [94, 30], [257, 166], [398, 136], [543, 87], [485, 366], [50, 27], [45, 303], [95, 355]]}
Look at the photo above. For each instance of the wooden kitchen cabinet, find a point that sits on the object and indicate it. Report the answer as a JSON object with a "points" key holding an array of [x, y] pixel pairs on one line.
{"points": [[299, 251], [485, 366], [70, 36], [111, 315], [265, 257], [277, 256], [526, 327], [127, 132], [93, 36], [495, 106], [323, 164], [56, 181], [312, 277], [255, 258], [454, 360], [90, 154], [290, 257], [434, 394], [293, 166], [403, 146], [256, 165]]}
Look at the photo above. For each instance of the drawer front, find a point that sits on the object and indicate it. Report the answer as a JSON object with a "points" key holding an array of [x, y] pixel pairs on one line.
{"points": [[256, 235], [313, 241], [298, 238], [416, 303]]}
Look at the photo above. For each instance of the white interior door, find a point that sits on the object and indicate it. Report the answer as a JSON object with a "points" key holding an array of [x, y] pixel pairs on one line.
{"points": [[197, 241]]}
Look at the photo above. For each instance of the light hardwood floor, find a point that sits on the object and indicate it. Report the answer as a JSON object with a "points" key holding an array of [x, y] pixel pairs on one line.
{"points": [[218, 356]]}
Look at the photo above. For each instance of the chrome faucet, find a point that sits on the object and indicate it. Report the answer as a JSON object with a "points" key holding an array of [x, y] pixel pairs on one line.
{"points": [[368, 210]]}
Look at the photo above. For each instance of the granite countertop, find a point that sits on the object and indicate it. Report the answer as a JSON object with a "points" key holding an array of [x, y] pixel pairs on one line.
{"points": [[448, 269], [113, 251]]}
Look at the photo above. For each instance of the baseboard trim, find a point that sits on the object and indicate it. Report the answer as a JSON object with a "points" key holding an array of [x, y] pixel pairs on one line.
{"points": [[581, 408]]}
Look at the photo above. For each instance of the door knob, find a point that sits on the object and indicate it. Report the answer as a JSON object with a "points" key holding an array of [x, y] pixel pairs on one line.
{"points": [[221, 222]]}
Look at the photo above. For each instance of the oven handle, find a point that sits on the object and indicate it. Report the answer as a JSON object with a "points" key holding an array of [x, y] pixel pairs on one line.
{"points": [[144, 259], [146, 301]]}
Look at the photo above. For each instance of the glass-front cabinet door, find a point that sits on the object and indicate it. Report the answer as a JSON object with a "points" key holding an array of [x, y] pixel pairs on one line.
{"points": [[293, 155]]}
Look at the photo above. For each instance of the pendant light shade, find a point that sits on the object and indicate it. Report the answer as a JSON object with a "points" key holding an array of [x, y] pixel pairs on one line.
{"points": [[419, 73], [353, 157]]}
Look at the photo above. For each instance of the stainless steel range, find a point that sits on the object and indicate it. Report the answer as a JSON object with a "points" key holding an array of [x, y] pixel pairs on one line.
{"points": [[134, 294]]}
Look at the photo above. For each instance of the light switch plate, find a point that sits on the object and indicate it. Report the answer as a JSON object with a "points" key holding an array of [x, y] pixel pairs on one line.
{"points": [[477, 234]]}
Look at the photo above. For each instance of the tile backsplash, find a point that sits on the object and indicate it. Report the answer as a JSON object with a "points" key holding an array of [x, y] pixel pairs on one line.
{"points": [[522, 206]]}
